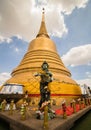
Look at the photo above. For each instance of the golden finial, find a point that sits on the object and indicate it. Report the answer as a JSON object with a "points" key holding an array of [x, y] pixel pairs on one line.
{"points": [[43, 11]]}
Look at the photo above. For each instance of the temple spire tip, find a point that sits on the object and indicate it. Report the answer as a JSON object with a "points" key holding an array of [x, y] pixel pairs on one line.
{"points": [[43, 31], [43, 11]]}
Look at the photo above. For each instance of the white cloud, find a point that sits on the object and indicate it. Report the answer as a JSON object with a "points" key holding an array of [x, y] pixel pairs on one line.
{"points": [[8, 40], [85, 81], [67, 6], [16, 49], [3, 77], [78, 56], [5, 39], [19, 37], [88, 74], [24, 17], [1, 39]]}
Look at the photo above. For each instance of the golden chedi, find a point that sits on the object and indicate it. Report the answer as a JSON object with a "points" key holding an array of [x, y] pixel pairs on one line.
{"points": [[41, 49]]}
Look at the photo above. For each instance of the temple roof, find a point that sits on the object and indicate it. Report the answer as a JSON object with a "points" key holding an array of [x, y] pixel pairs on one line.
{"points": [[43, 31]]}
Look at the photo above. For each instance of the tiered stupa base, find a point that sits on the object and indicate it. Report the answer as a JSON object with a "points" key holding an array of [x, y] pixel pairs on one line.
{"points": [[59, 89]]}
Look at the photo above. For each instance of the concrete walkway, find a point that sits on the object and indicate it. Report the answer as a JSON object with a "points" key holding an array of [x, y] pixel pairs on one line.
{"points": [[31, 123]]}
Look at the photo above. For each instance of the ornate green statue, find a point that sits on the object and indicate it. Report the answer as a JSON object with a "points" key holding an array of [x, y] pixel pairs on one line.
{"points": [[46, 78]]}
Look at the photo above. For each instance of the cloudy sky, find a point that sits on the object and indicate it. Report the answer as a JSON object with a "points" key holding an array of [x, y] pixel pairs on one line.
{"points": [[68, 23]]}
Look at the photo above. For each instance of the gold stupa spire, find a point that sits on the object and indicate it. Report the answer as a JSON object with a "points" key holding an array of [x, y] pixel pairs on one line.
{"points": [[43, 31]]}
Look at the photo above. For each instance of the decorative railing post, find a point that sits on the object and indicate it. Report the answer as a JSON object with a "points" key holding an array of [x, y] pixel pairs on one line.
{"points": [[74, 106], [64, 108], [3, 105], [23, 111], [11, 107], [45, 124]]}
